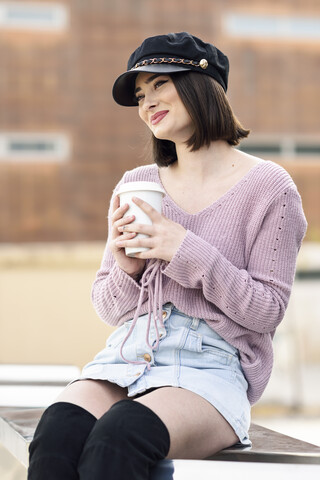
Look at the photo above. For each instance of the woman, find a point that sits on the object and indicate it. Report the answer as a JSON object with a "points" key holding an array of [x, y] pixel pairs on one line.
{"points": [[216, 278]]}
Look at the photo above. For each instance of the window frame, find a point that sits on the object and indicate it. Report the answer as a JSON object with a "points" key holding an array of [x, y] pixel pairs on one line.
{"points": [[61, 151], [271, 27], [30, 16]]}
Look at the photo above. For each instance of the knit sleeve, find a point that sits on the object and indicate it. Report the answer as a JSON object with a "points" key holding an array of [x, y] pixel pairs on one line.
{"points": [[114, 293], [255, 297]]}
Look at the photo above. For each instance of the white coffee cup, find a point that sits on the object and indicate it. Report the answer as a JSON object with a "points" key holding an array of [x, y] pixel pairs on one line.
{"points": [[150, 192]]}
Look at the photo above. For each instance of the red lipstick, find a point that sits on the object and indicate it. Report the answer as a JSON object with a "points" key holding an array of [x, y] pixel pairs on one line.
{"points": [[157, 117]]}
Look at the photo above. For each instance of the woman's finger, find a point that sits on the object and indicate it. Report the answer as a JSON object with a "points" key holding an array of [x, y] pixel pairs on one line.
{"points": [[137, 227], [124, 241], [125, 236], [124, 221], [118, 211], [115, 203], [147, 208]]}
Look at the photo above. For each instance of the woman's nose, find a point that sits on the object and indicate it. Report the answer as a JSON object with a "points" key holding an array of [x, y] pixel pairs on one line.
{"points": [[150, 101]]}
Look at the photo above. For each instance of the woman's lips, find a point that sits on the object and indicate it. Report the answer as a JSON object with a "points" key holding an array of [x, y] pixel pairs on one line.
{"points": [[157, 117]]}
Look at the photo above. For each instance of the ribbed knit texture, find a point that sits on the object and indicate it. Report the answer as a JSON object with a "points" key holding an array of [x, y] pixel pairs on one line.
{"points": [[234, 268]]}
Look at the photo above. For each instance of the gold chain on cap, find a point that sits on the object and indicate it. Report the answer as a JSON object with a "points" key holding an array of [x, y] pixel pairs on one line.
{"points": [[181, 61]]}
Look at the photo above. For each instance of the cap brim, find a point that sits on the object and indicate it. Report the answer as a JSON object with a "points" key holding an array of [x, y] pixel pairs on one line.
{"points": [[123, 88]]}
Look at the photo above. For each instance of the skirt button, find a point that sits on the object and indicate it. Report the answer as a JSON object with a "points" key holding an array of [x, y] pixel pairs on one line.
{"points": [[147, 357], [164, 314]]}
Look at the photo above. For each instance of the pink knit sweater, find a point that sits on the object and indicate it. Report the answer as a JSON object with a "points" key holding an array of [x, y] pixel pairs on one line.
{"points": [[234, 268]]}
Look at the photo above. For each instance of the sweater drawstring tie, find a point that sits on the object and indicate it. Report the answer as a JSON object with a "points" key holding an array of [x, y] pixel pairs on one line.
{"points": [[151, 282]]}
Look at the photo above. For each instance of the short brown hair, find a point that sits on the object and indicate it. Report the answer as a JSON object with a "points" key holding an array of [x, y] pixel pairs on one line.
{"points": [[210, 111]]}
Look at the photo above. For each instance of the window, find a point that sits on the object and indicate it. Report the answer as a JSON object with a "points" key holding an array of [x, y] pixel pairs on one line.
{"points": [[285, 147], [308, 149], [42, 147], [33, 16], [262, 148], [272, 26]]}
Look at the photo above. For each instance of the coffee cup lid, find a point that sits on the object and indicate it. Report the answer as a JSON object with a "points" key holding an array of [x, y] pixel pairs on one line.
{"points": [[138, 186]]}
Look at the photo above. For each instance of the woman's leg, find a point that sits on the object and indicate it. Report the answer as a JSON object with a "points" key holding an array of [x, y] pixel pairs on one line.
{"points": [[64, 427], [128, 440], [95, 396], [196, 428], [130, 437]]}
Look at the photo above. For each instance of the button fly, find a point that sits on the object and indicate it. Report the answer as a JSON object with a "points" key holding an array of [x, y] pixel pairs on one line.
{"points": [[164, 314]]}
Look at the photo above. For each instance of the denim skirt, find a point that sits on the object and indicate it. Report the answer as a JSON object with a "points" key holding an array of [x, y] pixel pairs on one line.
{"points": [[189, 355]]}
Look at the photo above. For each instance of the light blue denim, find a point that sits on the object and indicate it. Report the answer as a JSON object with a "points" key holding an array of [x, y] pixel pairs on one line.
{"points": [[190, 355]]}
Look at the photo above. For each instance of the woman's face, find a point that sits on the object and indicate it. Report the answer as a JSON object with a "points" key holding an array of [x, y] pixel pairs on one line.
{"points": [[161, 108]]}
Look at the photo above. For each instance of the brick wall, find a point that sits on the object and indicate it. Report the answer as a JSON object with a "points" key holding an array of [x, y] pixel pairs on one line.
{"points": [[62, 82]]}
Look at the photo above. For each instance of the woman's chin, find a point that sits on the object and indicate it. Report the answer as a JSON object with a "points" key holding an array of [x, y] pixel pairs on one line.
{"points": [[162, 136]]}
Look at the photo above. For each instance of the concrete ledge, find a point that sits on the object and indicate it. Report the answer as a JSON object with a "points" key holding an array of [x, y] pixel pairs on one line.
{"points": [[17, 426], [36, 386], [23, 386]]}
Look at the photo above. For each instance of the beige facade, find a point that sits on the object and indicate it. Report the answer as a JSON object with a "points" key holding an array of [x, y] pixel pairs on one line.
{"points": [[46, 315]]}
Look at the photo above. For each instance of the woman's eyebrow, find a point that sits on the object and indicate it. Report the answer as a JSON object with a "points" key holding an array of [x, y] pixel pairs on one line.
{"points": [[148, 81]]}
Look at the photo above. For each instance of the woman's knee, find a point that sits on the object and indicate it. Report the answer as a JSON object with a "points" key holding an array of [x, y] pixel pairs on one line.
{"points": [[126, 442], [95, 396], [58, 441], [126, 421]]}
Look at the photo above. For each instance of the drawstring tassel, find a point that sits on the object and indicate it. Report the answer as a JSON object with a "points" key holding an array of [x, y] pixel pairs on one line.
{"points": [[152, 275]]}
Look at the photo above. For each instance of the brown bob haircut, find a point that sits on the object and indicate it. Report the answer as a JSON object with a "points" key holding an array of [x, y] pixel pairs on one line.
{"points": [[210, 111]]}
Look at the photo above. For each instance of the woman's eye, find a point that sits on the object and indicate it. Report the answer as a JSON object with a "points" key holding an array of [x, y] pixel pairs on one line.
{"points": [[159, 83], [156, 85]]}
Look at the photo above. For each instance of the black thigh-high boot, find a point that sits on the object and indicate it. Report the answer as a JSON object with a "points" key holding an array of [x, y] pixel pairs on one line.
{"points": [[124, 443], [58, 442]]}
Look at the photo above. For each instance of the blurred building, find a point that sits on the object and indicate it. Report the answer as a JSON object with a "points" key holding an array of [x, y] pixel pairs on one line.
{"points": [[64, 143]]}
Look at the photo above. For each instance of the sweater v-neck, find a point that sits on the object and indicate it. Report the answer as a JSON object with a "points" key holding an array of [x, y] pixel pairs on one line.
{"points": [[215, 203]]}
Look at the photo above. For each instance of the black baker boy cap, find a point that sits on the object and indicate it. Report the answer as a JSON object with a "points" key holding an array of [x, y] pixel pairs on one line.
{"points": [[175, 52]]}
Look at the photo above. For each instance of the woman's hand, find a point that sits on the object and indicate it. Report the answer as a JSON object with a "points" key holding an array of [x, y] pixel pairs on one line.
{"points": [[164, 235], [132, 266]]}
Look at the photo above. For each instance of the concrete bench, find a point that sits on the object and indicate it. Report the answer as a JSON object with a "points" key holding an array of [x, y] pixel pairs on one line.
{"points": [[26, 390], [33, 385], [17, 426], [22, 388]]}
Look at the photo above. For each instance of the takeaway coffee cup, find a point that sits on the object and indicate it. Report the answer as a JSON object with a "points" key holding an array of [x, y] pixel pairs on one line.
{"points": [[151, 193]]}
